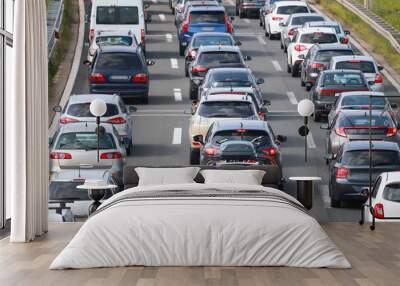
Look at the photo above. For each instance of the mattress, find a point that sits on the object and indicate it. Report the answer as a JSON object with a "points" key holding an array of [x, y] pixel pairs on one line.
{"points": [[201, 225]]}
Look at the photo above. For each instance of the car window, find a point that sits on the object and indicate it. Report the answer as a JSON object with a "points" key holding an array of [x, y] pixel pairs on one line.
{"points": [[301, 20], [217, 17], [84, 141], [376, 186], [112, 15], [219, 57], [227, 79], [118, 61], [83, 110], [336, 27], [364, 66], [212, 41], [392, 192], [318, 38], [343, 79], [379, 158], [260, 137], [326, 55], [114, 41], [288, 10], [363, 101], [234, 109], [363, 121]]}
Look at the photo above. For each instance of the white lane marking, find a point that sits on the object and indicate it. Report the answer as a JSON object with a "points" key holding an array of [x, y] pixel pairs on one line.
{"points": [[231, 2], [260, 38], [277, 66], [168, 37], [292, 97], [247, 21], [174, 63], [162, 17], [178, 94], [177, 136], [310, 141]]}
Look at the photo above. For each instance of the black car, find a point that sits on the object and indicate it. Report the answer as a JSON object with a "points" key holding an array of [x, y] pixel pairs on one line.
{"points": [[213, 57], [249, 7], [318, 59], [349, 170], [120, 70], [332, 82], [259, 133]]}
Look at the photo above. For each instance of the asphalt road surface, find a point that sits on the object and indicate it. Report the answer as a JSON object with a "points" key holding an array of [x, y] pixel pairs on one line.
{"points": [[161, 127]]}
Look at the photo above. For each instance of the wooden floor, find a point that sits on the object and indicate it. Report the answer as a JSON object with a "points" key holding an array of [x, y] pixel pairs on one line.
{"points": [[375, 257]]}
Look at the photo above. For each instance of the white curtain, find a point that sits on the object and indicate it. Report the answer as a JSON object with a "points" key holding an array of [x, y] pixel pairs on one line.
{"points": [[26, 123]]}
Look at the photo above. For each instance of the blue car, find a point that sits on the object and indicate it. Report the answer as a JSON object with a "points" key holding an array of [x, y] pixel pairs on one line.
{"points": [[202, 19]]}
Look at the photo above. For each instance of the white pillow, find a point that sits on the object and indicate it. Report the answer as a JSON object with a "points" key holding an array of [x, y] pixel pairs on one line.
{"points": [[248, 177], [166, 176]]}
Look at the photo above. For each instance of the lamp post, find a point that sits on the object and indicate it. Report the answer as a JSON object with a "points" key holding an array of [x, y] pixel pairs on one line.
{"points": [[305, 108], [98, 108]]}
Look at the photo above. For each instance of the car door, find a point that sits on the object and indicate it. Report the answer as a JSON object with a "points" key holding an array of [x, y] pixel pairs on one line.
{"points": [[127, 116]]}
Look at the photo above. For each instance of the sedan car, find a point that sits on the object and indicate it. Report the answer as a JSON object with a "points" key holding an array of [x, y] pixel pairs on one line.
{"points": [[350, 125], [206, 39], [213, 57], [76, 144], [349, 170], [121, 70], [318, 59], [77, 109], [329, 83]]}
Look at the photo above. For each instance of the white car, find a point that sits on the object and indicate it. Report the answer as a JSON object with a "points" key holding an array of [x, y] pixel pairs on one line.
{"points": [[366, 64], [111, 38], [303, 40], [385, 198], [279, 13]]}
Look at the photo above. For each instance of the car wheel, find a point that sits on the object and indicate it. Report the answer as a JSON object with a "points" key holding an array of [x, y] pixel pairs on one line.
{"points": [[129, 148], [181, 49], [194, 157], [289, 69], [261, 24], [193, 92], [186, 71], [270, 36], [282, 46], [295, 71]]}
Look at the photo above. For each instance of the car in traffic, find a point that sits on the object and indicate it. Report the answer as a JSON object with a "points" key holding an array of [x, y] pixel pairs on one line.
{"points": [[302, 41], [206, 39], [351, 125], [247, 8], [318, 59], [349, 170], [366, 64], [330, 83], [266, 9], [120, 70], [203, 19], [180, 17], [77, 109], [213, 108], [340, 31], [209, 57]]}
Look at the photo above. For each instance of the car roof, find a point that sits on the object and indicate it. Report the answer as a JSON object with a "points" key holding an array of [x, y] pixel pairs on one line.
{"points": [[238, 124], [118, 49], [341, 71], [206, 8], [119, 32], [84, 127], [364, 145], [361, 93], [210, 34], [316, 23], [353, 112], [225, 97], [219, 48], [392, 177], [334, 46], [298, 15], [290, 3], [224, 70], [353, 57], [309, 30], [83, 98]]}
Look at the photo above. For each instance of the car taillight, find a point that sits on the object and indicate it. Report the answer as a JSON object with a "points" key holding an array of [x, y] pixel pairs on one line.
{"points": [[378, 78], [277, 18], [299, 48], [117, 120], [391, 131], [317, 66], [378, 211], [66, 120], [91, 34], [199, 69], [97, 77], [328, 91], [272, 151], [341, 131], [342, 173], [185, 27], [210, 151], [290, 32], [142, 35], [111, 155], [60, 155], [140, 78]]}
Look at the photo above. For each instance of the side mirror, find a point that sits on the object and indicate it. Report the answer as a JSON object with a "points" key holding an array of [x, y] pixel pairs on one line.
{"points": [[380, 68], [198, 138], [132, 108], [238, 43], [57, 108], [302, 57], [365, 191], [281, 138], [347, 32], [50, 141], [260, 81], [231, 18], [264, 109], [394, 105], [371, 82], [324, 127], [150, 62], [247, 58], [87, 63]]}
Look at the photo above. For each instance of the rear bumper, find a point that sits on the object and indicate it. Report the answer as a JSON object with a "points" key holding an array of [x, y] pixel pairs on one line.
{"points": [[254, 10], [346, 191]]}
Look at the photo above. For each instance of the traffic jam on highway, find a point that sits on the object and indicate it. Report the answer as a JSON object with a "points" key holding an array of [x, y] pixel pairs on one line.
{"points": [[225, 65]]}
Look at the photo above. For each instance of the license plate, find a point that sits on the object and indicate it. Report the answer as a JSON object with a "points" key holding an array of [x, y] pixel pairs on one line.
{"points": [[233, 162], [207, 29], [119, 77]]}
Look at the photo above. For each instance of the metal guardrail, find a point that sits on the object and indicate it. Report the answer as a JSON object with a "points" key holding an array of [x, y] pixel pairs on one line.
{"points": [[54, 18], [376, 22]]}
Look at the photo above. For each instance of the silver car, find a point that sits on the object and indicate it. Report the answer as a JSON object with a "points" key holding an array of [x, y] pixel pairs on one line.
{"points": [[118, 114], [76, 144]]}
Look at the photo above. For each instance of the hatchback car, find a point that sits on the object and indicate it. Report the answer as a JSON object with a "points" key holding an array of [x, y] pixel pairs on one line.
{"points": [[213, 57], [342, 33], [366, 64], [318, 59], [77, 109], [120, 70], [247, 8], [349, 170], [76, 144], [329, 83]]}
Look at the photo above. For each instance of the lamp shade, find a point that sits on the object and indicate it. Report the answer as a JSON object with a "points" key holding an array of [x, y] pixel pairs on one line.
{"points": [[305, 107], [98, 107]]}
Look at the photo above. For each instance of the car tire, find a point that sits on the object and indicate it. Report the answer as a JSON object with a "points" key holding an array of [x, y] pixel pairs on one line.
{"points": [[194, 157], [261, 24], [295, 71], [288, 69], [181, 50], [282, 47], [270, 36]]}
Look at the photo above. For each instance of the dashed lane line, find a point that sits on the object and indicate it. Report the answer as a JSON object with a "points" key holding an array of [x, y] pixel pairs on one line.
{"points": [[162, 17], [261, 39], [292, 97], [168, 37], [310, 141], [174, 63], [178, 94], [277, 66], [247, 21], [177, 136]]}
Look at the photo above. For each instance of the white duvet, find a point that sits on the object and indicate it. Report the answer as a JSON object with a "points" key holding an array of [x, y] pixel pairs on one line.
{"points": [[224, 225]]}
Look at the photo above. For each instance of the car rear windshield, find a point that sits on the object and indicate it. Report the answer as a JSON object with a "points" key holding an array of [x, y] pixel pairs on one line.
{"points": [[118, 61], [325, 56], [364, 66], [392, 192], [259, 137], [343, 79], [114, 41], [219, 57], [379, 158], [383, 120], [227, 79], [212, 41], [83, 110], [288, 10], [362, 101], [117, 15], [234, 109], [85, 141], [301, 20], [197, 17], [318, 38]]}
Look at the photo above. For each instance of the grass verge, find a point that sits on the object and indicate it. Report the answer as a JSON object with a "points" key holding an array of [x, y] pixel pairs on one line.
{"points": [[378, 43], [388, 10]]}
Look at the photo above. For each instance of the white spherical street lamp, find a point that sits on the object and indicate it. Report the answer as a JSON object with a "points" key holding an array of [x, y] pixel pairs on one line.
{"points": [[305, 107], [98, 108]]}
